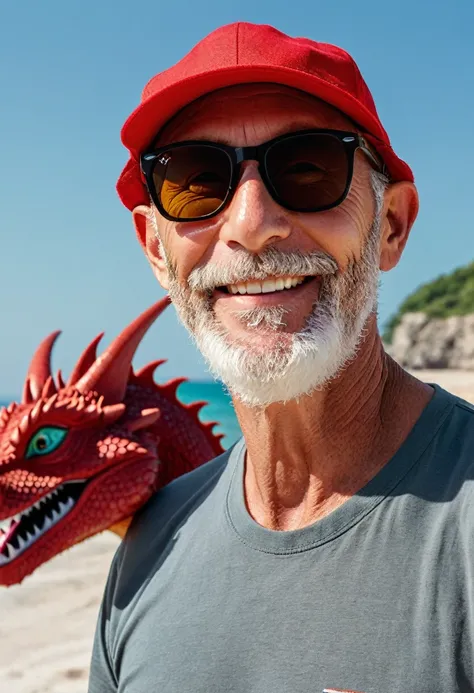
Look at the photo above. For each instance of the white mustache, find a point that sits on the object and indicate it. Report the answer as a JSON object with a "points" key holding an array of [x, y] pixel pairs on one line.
{"points": [[270, 263]]}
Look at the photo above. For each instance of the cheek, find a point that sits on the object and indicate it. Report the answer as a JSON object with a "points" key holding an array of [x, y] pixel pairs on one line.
{"points": [[337, 233], [187, 246], [172, 249], [348, 227]]}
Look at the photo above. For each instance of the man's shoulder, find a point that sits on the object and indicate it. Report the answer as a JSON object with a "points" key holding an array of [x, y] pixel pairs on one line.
{"points": [[461, 422], [181, 493], [453, 413], [447, 472], [170, 507], [463, 404], [155, 526]]}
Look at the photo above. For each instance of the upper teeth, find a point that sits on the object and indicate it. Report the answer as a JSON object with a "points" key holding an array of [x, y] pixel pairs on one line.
{"points": [[265, 287], [9, 552], [5, 524]]}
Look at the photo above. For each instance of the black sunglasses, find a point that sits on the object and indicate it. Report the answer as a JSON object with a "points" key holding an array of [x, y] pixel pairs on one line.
{"points": [[307, 171]]}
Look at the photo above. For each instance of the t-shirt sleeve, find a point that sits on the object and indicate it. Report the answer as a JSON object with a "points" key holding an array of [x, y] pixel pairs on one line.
{"points": [[102, 677]]}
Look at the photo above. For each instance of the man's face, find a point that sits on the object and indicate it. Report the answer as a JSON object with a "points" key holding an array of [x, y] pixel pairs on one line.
{"points": [[283, 343]]}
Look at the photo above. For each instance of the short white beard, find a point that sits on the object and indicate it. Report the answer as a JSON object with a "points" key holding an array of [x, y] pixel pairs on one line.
{"points": [[328, 342], [319, 352]]}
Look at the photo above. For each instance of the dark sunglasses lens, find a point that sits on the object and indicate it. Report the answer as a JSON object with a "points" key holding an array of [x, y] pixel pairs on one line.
{"points": [[192, 181], [308, 172]]}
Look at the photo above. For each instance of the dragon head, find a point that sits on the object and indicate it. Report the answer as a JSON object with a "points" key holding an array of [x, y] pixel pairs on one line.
{"points": [[78, 458]]}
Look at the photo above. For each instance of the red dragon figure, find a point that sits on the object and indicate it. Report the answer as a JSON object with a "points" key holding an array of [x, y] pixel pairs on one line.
{"points": [[82, 457]]}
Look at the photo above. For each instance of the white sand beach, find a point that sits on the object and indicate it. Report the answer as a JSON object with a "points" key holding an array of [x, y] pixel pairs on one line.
{"points": [[47, 623]]}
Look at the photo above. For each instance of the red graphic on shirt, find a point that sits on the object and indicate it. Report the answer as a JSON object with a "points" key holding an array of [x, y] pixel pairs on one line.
{"points": [[339, 690]]}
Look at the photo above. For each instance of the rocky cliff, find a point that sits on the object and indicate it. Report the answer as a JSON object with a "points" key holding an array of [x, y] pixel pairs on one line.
{"points": [[419, 341], [434, 326]]}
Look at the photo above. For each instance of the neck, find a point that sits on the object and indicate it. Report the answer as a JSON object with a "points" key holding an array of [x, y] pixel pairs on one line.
{"points": [[307, 457]]}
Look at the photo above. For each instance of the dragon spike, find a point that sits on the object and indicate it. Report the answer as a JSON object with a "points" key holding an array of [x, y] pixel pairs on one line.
{"points": [[49, 388], [47, 406], [3, 418], [59, 378], [169, 388], [40, 366], [24, 423], [35, 412], [111, 412], [26, 397], [146, 373], [196, 407], [15, 436], [147, 418], [109, 374], [87, 358]]}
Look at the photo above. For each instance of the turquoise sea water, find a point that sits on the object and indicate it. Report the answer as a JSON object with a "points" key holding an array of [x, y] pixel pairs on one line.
{"points": [[219, 407]]}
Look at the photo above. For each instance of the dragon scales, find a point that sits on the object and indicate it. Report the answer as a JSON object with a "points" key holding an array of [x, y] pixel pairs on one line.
{"points": [[82, 457]]}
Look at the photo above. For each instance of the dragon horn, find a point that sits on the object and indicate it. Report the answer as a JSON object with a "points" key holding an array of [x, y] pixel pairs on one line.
{"points": [[40, 366], [88, 357], [109, 374]]}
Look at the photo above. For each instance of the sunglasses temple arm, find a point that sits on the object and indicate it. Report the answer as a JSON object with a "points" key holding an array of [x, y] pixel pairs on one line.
{"points": [[380, 166]]}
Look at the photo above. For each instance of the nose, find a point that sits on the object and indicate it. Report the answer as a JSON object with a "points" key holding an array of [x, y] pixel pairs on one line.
{"points": [[254, 220]]}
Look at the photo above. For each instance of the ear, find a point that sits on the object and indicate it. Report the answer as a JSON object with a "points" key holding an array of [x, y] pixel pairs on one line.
{"points": [[400, 211], [148, 238]]}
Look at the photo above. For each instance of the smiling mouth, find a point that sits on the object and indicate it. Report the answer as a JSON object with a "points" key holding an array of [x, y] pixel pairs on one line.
{"points": [[266, 286], [21, 531]]}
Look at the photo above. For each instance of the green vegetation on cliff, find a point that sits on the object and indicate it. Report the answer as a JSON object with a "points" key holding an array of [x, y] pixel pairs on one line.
{"points": [[449, 294]]}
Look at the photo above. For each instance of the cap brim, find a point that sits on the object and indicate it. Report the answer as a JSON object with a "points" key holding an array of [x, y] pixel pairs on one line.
{"points": [[147, 120]]}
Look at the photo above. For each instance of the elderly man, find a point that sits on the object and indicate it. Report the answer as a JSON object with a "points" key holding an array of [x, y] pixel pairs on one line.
{"points": [[330, 549]]}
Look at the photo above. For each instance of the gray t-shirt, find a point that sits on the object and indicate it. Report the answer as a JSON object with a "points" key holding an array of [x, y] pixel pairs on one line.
{"points": [[376, 597]]}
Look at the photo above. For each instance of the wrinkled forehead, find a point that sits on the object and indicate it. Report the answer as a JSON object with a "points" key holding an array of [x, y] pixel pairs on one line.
{"points": [[278, 108]]}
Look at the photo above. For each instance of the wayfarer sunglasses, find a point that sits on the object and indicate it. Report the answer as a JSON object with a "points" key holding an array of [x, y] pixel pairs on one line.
{"points": [[307, 171]]}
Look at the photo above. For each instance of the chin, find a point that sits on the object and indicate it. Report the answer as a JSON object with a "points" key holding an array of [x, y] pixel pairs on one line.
{"points": [[261, 344], [278, 367], [262, 361]]}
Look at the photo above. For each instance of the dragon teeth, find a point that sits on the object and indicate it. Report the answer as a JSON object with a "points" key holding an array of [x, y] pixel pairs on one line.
{"points": [[7, 523], [11, 554], [22, 543], [64, 507], [8, 552], [6, 558], [47, 523]]}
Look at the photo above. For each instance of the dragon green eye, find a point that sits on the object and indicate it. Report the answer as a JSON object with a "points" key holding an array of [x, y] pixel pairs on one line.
{"points": [[45, 440]]}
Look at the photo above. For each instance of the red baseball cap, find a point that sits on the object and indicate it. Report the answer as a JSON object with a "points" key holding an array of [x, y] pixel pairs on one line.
{"points": [[244, 53]]}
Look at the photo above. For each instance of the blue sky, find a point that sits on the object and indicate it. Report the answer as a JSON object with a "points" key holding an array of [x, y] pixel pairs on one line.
{"points": [[71, 72]]}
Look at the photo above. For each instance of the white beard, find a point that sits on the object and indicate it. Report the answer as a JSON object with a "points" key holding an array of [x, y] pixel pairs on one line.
{"points": [[315, 355]]}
